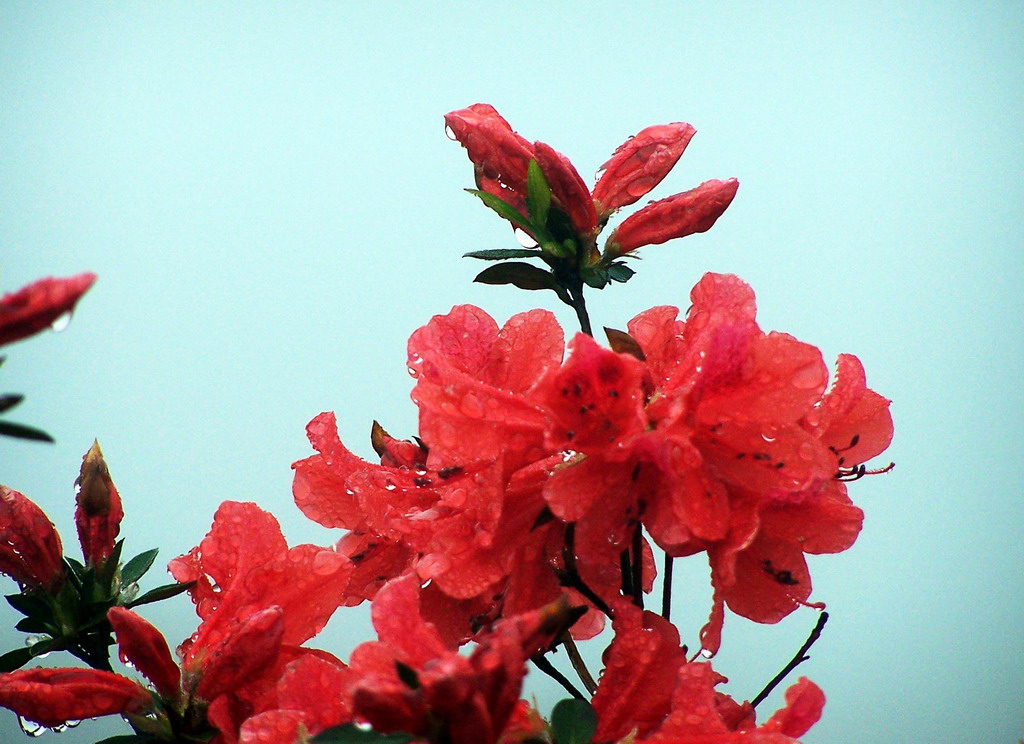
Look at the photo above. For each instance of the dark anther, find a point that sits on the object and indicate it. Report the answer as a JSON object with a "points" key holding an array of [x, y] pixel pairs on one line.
{"points": [[446, 473], [780, 465], [761, 456], [422, 482], [859, 471], [780, 575]]}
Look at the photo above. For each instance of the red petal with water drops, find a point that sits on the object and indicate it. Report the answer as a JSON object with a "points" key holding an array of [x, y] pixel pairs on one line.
{"points": [[247, 649], [852, 419], [53, 697], [500, 153], [30, 548], [641, 666], [568, 189], [693, 211], [640, 163], [145, 647], [595, 398], [37, 306], [319, 484]]}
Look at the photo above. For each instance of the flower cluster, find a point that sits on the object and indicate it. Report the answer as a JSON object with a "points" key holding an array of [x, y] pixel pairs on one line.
{"points": [[526, 514]]}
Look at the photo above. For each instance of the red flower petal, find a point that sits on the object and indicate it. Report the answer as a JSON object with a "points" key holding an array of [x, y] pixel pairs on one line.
{"points": [[37, 306], [248, 649], [500, 154], [142, 645], [30, 548], [53, 697], [640, 163], [693, 211], [641, 666], [804, 703]]}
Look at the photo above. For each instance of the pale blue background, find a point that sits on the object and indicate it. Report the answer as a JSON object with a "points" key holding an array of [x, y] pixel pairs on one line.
{"points": [[267, 195]]}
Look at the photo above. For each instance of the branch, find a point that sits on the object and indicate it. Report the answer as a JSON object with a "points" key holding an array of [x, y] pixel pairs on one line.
{"points": [[797, 660]]}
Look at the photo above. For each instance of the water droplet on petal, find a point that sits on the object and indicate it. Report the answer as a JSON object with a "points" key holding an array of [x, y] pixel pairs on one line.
{"points": [[58, 325], [809, 377], [471, 406], [706, 653], [525, 239], [806, 451], [31, 727], [450, 133]]}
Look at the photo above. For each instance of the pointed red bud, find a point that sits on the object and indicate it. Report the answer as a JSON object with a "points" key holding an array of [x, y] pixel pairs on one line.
{"points": [[568, 188], [98, 513], [53, 697], [499, 153], [145, 648], [640, 163], [30, 548], [250, 649], [37, 306], [677, 216]]}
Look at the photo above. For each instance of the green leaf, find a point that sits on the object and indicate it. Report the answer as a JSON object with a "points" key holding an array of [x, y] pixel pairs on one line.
{"points": [[595, 277], [503, 208], [619, 272], [573, 722], [524, 276], [108, 568], [349, 733], [33, 625], [20, 431], [7, 402], [500, 254], [538, 194], [161, 592], [129, 739], [134, 569], [15, 659], [29, 605]]}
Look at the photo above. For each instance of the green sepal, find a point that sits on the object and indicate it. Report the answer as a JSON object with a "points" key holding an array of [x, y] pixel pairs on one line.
{"points": [[7, 402], [595, 277], [573, 722], [161, 592], [524, 276], [538, 194], [500, 254], [136, 568], [619, 272], [108, 569], [20, 431], [349, 733], [502, 207]]}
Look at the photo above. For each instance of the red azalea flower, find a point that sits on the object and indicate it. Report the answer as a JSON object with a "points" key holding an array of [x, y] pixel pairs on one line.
{"points": [[409, 681], [35, 307], [53, 697], [502, 157], [258, 600], [30, 548], [98, 512], [649, 689]]}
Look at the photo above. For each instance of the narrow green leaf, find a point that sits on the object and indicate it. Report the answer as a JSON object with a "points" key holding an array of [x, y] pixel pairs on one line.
{"points": [[538, 194], [349, 733], [129, 739], [29, 605], [15, 659], [502, 207], [20, 431], [500, 254], [573, 722], [7, 402], [522, 275], [136, 568], [161, 592], [33, 625], [109, 568]]}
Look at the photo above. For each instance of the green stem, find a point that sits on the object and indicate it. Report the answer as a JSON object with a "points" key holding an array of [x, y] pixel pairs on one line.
{"points": [[579, 304]]}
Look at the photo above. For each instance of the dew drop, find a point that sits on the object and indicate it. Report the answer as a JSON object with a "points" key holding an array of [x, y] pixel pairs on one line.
{"points": [[806, 451], [58, 325], [471, 406], [450, 133], [809, 377], [706, 653], [525, 239], [31, 727]]}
